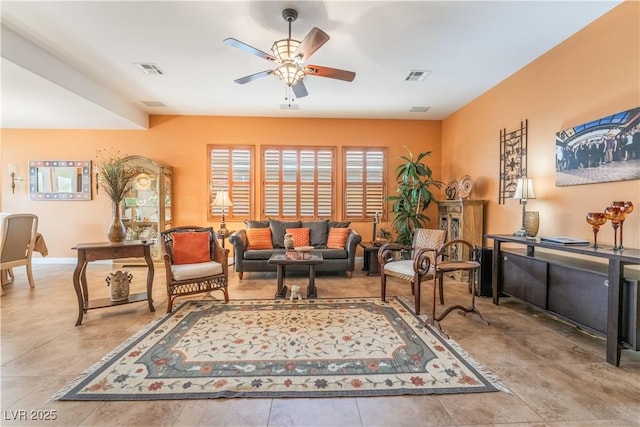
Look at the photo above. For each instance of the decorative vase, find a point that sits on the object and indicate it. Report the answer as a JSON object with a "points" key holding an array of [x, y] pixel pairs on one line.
{"points": [[531, 223], [288, 241], [119, 283], [117, 232]]}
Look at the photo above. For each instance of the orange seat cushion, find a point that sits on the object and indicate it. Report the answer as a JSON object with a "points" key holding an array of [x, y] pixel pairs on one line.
{"points": [[191, 247], [259, 238], [337, 238], [300, 236]]}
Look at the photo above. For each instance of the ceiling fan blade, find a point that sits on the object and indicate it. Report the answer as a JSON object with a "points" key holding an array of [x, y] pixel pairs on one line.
{"points": [[299, 89], [252, 77], [249, 49], [333, 73], [311, 43]]}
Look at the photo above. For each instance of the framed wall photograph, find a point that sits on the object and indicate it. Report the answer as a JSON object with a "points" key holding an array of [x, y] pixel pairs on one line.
{"points": [[602, 150]]}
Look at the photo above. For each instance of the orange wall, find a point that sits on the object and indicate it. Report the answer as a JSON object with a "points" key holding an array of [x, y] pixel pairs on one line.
{"points": [[593, 74], [181, 141]]}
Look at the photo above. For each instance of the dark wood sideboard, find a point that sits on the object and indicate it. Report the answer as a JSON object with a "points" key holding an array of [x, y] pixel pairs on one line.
{"points": [[596, 295]]}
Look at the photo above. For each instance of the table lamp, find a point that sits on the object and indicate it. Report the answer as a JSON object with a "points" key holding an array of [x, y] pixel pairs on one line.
{"points": [[222, 200], [524, 191]]}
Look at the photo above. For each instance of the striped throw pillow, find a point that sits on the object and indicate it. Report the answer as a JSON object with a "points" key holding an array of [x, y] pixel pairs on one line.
{"points": [[300, 236], [259, 238], [337, 238]]}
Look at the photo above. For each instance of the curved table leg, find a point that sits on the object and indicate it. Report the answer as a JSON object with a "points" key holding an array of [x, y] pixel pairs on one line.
{"points": [[80, 268], [150, 274]]}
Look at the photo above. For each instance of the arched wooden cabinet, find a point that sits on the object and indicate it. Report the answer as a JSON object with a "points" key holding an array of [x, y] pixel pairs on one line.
{"points": [[147, 206]]}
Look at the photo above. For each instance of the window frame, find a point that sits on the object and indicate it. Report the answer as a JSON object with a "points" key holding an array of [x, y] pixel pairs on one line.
{"points": [[383, 184], [217, 184], [331, 185]]}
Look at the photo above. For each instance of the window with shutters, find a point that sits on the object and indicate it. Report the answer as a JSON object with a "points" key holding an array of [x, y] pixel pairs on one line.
{"points": [[230, 169], [364, 184], [297, 182]]}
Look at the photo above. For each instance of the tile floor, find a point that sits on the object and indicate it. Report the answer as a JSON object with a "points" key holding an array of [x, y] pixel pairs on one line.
{"points": [[557, 374]]}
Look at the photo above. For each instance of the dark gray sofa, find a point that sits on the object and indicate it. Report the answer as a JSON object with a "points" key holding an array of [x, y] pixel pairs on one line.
{"points": [[335, 260]]}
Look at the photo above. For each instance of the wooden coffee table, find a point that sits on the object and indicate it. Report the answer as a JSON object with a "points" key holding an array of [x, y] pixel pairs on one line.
{"points": [[281, 262]]}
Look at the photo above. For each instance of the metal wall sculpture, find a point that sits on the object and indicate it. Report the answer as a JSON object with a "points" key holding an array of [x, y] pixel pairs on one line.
{"points": [[513, 160]]}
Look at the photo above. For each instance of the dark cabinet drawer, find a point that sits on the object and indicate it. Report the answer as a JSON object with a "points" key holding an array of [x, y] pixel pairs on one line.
{"points": [[524, 278]]}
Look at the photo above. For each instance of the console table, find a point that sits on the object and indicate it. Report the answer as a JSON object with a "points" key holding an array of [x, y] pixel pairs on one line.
{"points": [[101, 251], [615, 273]]}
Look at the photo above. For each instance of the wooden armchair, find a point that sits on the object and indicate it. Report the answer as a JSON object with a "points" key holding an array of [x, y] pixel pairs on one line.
{"points": [[426, 243], [194, 262]]}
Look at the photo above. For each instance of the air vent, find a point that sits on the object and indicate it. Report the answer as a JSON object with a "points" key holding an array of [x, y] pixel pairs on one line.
{"points": [[151, 69], [419, 109], [153, 103], [417, 75], [289, 106]]}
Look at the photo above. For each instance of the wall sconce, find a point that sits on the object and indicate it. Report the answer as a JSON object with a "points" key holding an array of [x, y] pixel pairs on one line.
{"points": [[14, 178]]}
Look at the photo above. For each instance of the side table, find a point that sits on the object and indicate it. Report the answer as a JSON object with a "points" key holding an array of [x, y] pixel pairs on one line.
{"points": [[371, 264], [223, 235], [88, 252]]}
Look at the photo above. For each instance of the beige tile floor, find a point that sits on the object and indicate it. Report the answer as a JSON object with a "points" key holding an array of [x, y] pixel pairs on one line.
{"points": [[557, 374]]}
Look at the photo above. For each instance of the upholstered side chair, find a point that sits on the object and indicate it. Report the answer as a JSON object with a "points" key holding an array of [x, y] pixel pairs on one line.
{"points": [[443, 265], [194, 262], [426, 243], [17, 239]]}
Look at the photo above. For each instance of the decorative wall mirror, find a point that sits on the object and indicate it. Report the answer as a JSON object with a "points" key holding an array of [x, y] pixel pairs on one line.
{"points": [[60, 180]]}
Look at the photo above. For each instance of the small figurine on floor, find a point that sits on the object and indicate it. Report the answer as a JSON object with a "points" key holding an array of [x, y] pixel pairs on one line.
{"points": [[295, 293]]}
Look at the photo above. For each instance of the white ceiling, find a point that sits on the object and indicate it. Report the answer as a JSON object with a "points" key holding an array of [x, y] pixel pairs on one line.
{"points": [[71, 64]]}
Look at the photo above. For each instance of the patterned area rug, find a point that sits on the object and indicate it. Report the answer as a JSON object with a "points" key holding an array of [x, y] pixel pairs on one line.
{"points": [[267, 348]]}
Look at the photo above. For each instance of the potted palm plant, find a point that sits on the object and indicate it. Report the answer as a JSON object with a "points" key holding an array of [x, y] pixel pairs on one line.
{"points": [[414, 180]]}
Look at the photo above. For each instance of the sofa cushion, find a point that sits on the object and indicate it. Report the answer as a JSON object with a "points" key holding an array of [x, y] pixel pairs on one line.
{"points": [[191, 247], [262, 254], [300, 236], [318, 232], [337, 238], [256, 224], [259, 238], [278, 228], [334, 253]]}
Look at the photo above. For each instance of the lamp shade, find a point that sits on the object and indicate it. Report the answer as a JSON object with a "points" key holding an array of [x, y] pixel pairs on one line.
{"points": [[222, 199], [524, 189]]}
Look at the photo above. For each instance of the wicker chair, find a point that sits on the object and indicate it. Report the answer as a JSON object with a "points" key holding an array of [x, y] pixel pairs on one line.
{"points": [[426, 242], [194, 278]]}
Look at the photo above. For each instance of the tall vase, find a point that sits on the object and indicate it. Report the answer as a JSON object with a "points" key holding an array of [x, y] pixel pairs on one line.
{"points": [[531, 223], [117, 232]]}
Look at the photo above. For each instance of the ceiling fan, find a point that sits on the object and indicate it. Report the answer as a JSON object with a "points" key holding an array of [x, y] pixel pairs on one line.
{"points": [[290, 55]]}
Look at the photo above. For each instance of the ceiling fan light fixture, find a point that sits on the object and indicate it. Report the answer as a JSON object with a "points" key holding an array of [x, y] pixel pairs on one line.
{"points": [[283, 50], [289, 73]]}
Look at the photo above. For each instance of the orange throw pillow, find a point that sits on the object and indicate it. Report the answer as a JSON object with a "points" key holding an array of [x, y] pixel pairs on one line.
{"points": [[337, 238], [259, 238], [191, 247], [300, 236]]}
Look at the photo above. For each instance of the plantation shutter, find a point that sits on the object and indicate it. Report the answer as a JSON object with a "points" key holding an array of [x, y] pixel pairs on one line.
{"points": [[230, 170], [364, 185], [297, 182]]}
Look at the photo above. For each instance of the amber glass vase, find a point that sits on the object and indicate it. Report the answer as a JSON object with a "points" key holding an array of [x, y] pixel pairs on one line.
{"points": [[595, 220], [615, 214], [626, 208]]}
